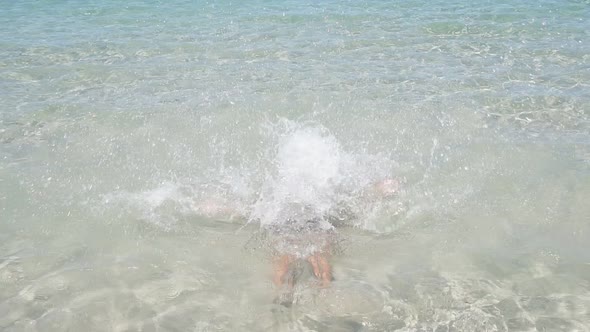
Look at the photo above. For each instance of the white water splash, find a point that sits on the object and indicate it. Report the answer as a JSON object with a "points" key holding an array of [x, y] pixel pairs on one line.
{"points": [[309, 165]]}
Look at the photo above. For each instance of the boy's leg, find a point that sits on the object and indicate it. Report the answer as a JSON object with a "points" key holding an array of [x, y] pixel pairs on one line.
{"points": [[281, 266], [321, 267]]}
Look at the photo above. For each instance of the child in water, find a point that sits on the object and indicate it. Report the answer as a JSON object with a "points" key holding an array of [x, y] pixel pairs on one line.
{"points": [[296, 241]]}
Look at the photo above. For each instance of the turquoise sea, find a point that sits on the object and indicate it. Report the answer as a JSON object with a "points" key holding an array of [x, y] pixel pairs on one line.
{"points": [[146, 145]]}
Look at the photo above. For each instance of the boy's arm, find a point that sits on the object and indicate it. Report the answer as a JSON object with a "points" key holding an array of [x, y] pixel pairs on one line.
{"points": [[215, 208]]}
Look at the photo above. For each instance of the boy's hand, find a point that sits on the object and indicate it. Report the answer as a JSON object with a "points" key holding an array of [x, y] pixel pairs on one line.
{"points": [[386, 187]]}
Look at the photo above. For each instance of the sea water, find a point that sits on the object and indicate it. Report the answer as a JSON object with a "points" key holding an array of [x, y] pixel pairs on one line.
{"points": [[144, 144]]}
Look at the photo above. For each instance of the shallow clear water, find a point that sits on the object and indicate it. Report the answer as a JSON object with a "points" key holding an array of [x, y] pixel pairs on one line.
{"points": [[143, 145]]}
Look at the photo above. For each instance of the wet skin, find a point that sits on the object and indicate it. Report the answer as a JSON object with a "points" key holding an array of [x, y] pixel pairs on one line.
{"points": [[319, 263]]}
